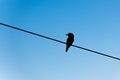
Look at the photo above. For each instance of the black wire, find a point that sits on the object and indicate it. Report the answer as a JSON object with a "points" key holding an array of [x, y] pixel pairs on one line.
{"points": [[58, 41]]}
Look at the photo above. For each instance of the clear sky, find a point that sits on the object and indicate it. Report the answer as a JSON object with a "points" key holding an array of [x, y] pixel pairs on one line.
{"points": [[95, 24]]}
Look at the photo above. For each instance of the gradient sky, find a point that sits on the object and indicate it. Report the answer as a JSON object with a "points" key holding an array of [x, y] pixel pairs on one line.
{"points": [[95, 23]]}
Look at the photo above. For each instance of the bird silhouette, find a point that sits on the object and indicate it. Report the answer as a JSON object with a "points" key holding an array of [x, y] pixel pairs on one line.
{"points": [[69, 41]]}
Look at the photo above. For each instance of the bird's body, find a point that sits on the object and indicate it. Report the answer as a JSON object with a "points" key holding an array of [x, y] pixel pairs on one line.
{"points": [[69, 41]]}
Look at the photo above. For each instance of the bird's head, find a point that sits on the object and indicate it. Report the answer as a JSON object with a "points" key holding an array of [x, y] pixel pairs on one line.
{"points": [[70, 35]]}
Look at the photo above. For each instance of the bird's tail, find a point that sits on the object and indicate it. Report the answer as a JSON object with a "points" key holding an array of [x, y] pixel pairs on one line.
{"points": [[67, 48]]}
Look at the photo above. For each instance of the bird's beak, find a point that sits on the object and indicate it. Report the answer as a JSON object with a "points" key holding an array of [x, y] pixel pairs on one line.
{"points": [[66, 34]]}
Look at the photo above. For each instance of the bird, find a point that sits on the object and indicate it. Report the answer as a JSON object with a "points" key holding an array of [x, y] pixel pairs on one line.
{"points": [[69, 40]]}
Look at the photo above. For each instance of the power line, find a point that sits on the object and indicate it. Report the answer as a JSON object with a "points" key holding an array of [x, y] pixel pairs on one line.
{"points": [[6, 25]]}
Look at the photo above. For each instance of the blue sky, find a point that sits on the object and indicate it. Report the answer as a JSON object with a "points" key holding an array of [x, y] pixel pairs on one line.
{"points": [[95, 24]]}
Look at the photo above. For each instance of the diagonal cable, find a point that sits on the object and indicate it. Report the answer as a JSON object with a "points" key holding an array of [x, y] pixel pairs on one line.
{"points": [[6, 25]]}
